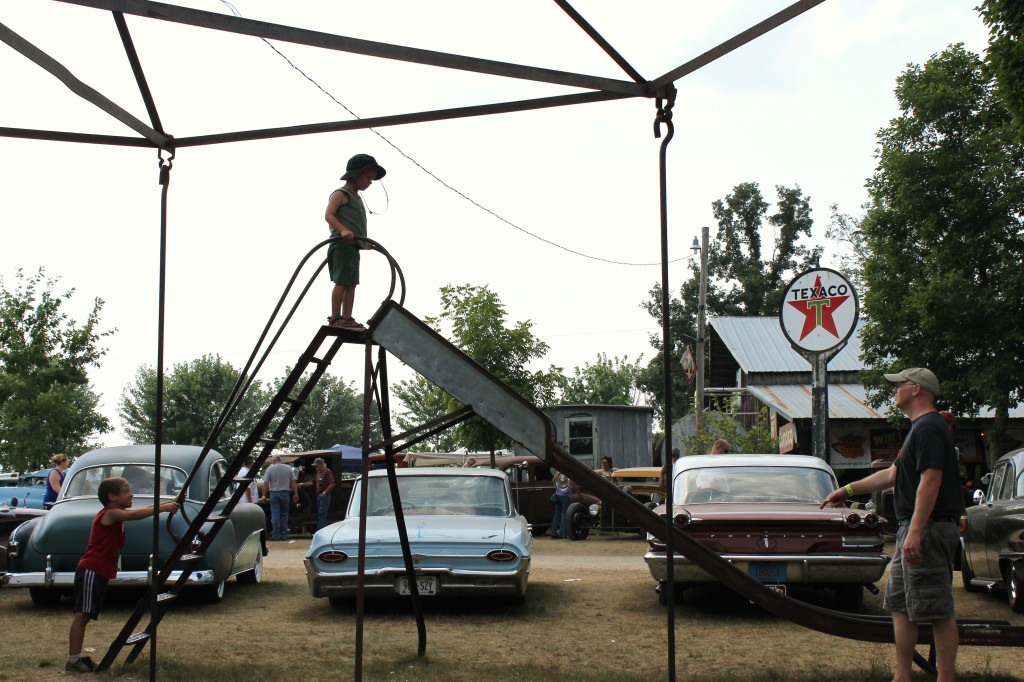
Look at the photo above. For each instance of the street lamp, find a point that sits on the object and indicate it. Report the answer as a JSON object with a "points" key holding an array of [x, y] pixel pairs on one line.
{"points": [[702, 247]]}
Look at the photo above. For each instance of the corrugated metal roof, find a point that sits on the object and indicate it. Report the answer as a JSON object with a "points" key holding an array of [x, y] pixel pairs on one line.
{"points": [[759, 345], [845, 401]]}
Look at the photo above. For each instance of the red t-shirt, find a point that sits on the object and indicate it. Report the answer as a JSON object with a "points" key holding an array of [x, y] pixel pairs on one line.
{"points": [[104, 548]]}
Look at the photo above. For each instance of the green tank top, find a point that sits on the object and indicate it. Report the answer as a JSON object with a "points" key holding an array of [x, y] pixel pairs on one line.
{"points": [[352, 215]]}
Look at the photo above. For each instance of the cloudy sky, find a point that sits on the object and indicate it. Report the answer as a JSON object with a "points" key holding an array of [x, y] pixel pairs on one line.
{"points": [[800, 106]]}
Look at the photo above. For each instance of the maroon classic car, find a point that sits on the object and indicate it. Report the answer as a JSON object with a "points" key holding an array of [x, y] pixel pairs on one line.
{"points": [[993, 544], [760, 512]]}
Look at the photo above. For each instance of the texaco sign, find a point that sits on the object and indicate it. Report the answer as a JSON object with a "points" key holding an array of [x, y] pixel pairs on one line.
{"points": [[819, 310]]}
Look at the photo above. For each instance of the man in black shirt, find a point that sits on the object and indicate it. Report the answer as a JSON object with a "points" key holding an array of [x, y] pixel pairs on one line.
{"points": [[926, 482]]}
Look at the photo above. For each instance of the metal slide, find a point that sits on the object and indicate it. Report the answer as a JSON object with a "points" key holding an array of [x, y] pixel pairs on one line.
{"points": [[428, 353]]}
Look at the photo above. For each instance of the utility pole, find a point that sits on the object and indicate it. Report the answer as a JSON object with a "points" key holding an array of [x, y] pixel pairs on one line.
{"points": [[702, 306]]}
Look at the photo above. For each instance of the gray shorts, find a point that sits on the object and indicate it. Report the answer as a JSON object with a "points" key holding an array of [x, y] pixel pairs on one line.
{"points": [[924, 591]]}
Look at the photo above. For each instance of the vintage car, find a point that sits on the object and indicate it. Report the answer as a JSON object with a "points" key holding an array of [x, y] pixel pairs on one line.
{"points": [[993, 544], [44, 552], [466, 538], [760, 512], [12, 516], [25, 490], [584, 515]]}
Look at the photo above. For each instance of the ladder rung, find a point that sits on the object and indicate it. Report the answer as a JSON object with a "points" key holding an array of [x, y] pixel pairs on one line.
{"points": [[269, 439], [137, 637], [165, 596], [243, 479], [217, 518], [190, 557], [295, 401]]}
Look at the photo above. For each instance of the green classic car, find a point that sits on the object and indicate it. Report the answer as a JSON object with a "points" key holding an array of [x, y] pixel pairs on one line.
{"points": [[42, 554]]}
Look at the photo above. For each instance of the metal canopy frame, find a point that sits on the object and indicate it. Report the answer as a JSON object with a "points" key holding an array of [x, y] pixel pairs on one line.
{"points": [[600, 89], [596, 89]]}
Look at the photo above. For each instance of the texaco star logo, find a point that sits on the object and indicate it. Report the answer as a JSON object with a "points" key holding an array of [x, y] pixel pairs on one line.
{"points": [[819, 310]]}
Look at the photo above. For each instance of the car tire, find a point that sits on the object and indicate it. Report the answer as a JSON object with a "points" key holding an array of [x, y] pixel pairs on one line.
{"points": [[340, 602], [43, 596], [967, 575], [211, 594], [677, 594], [849, 596], [577, 518], [1015, 589], [254, 576]]}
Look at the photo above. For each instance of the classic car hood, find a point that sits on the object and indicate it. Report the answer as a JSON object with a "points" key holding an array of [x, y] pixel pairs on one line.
{"points": [[423, 528]]}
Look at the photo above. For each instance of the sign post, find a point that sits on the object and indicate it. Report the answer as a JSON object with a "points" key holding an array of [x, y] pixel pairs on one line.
{"points": [[819, 311]]}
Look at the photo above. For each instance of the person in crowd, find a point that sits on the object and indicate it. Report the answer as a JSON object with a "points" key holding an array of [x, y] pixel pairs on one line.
{"points": [[562, 497], [98, 566], [278, 481], [926, 482], [346, 217], [666, 470], [55, 479], [323, 484], [606, 469]]}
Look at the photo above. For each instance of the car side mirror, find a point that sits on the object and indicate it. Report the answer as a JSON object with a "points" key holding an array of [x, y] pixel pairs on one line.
{"points": [[978, 497], [986, 479]]}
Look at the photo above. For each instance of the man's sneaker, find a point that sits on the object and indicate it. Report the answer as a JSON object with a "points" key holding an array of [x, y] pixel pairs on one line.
{"points": [[82, 665]]}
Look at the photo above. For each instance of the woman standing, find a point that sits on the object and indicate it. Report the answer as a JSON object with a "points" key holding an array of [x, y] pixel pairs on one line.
{"points": [[606, 469], [561, 499], [55, 479]]}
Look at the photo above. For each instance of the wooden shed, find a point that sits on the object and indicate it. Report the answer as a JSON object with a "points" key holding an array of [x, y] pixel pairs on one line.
{"points": [[589, 432]]}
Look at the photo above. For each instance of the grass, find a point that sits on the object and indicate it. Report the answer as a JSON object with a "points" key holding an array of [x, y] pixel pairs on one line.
{"points": [[591, 615]]}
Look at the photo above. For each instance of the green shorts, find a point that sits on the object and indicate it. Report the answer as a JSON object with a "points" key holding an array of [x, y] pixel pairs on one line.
{"points": [[343, 263]]}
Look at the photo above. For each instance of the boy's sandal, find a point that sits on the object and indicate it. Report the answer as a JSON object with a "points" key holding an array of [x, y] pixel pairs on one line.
{"points": [[350, 323], [335, 321]]}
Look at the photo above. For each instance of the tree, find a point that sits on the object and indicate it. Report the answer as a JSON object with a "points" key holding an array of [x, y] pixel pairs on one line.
{"points": [[332, 414], [742, 278], [723, 422], [477, 319], [194, 396], [944, 286], [46, 404], [1005, 55], [607, 382]]}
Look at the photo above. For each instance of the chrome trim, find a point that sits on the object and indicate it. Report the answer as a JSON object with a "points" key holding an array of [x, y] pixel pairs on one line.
{"points": [[135, 578]]}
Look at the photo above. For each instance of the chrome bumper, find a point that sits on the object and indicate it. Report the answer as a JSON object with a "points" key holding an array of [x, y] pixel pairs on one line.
{"points": [[800, 568], [451, 581]]}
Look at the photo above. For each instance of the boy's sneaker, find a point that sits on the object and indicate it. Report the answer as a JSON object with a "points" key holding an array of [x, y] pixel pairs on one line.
{"points": [[82, 665]]}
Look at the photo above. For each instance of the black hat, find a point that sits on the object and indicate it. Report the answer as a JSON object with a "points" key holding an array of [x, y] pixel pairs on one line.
{"points": [[360, 162]]}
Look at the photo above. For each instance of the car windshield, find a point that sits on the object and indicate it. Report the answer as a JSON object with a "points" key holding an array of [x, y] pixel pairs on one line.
{"points": [[752, 484], [436, 495], [86, 481]]}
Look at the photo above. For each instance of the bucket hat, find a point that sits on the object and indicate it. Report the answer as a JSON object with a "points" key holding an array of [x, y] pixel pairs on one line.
{"points": [[360, 162]]}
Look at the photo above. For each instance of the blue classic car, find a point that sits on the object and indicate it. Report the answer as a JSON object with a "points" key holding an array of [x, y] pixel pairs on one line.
{"points": [[993, 544], [26, 490], [466, 537], [42, 554]]}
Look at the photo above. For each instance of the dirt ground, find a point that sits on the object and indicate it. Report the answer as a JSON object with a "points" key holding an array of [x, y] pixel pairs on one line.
{"points": [[591, 614]]}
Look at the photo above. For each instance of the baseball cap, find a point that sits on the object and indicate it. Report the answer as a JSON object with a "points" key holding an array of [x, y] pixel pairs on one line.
{"points": [[924, 378], [318, 460]]}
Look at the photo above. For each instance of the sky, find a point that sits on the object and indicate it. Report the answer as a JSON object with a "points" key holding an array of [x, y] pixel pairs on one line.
{"points": [[799, 106]]}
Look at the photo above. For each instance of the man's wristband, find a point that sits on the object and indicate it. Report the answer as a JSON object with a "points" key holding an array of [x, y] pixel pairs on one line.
{"points": [[849, 489]]}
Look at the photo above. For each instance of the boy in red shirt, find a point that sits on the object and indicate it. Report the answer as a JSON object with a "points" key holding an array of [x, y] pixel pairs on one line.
{"points": [[99, 564]]}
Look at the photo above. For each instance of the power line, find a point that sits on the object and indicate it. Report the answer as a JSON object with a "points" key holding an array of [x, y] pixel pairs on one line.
{"points": [[434, 176]]}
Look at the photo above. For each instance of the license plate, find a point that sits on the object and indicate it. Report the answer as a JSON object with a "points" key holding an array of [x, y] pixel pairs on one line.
{"points": [[770, 573], [425, 584]]}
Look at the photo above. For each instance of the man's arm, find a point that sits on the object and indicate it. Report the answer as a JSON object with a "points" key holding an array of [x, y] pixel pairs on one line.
{"points": [[330, 484], [880, 480]]}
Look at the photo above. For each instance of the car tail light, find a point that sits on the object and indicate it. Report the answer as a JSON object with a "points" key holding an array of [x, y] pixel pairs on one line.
{"points": [[12, 549], [852, 519], [871, 520], [502, 556], [682, 519], [332, 556]]}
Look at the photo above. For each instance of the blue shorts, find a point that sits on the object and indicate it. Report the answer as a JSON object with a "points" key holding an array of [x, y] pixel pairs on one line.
{"points": [[90, 590], [924, 591]]}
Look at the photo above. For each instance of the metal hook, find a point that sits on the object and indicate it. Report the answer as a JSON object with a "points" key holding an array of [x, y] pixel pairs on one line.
{"points": [[665, 100], [165, 164]]}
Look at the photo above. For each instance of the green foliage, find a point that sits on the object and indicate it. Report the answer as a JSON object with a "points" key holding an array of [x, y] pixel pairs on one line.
{"points": [[743, 278], [477, 319], [332, 414], [194, 396], [1005, 55], [944, 287], [423, 401], [46, 405], [722, 422], [607, 382]]}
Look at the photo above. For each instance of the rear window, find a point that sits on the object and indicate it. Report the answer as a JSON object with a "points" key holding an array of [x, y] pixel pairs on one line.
{"points": [[86, 482], [752, 484]]}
